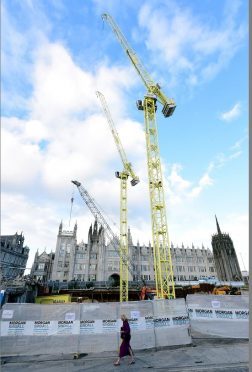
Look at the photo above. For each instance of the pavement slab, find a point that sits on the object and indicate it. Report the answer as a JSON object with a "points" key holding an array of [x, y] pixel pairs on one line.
{"points": [[203, 355]]}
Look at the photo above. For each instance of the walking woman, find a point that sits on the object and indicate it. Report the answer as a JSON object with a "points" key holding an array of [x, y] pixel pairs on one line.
{"points": [[125, 348]]}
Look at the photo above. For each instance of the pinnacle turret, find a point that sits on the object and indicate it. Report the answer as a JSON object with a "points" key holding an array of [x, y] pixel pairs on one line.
{"points": [[218, 227]]}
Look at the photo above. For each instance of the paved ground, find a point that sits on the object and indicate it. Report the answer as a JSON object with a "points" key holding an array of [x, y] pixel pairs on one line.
{"points": [[218, 355]]}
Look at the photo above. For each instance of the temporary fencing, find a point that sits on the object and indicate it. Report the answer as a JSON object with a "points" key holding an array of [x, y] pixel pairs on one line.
{"points": [[23, 325], [218, 315], [32, 329], [171, 322]]}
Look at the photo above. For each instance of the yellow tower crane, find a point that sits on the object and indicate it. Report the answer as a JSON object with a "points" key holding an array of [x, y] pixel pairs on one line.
{"points": [[161, 246], [123, 176]]}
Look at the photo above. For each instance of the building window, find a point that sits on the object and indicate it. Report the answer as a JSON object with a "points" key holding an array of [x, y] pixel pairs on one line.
{"points": [[41, 266], [145, 277], [93, 256], [80, 267], [61, 252], [145, 268], [202, 269], [92, 267], [135, 267], [191, 269], [200, 260], [145, 257], [180, 268], [112, 254]]}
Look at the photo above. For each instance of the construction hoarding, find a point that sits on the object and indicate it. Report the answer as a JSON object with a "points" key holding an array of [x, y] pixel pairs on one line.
{"points": [[31, 329], [89, 327], [218, 315]]}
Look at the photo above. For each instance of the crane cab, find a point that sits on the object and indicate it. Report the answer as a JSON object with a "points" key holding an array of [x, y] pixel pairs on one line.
{"points": [[168, 109], [134, 181], [139, 104]]}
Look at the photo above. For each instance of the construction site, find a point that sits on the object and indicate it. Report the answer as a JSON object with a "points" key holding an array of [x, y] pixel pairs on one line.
{"points": [[81, 319]]}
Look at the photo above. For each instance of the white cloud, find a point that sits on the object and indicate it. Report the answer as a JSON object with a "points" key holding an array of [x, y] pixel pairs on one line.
{"points": [[238, 144], [199, 227], [190, 48], [64, 112], [18, 45], [21, 161], [232, 114], [179, 189], [237, 226], [38, 222]]}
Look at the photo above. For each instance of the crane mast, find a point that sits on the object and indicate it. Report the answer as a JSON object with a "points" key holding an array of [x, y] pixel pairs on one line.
{"points": [[123, 176], [161, 247], [111, 236]]}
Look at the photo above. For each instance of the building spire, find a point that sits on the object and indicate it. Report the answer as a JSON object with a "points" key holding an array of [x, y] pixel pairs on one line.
{"points": [[218, 227]]}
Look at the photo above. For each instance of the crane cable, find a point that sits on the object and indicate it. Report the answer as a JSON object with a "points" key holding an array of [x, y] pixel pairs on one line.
{"points": [[71, 207]]}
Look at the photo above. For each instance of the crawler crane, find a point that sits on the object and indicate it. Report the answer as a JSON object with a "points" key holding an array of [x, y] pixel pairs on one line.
{"points": [[123, 176], [161, 246], [111, 236]]}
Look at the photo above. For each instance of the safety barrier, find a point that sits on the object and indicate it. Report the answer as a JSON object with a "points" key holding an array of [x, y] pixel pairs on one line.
{"points": [[218, 316], [32, 329]]}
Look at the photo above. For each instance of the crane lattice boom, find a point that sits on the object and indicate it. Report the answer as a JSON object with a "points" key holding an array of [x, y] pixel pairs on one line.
{"points": [[127, 165], [111, 236], [152, 87]]}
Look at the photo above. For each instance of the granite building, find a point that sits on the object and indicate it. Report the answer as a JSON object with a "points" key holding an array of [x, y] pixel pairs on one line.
{"points": [[64, 260], [96, 261], [42, 266], [226, 262], [14, 256]]}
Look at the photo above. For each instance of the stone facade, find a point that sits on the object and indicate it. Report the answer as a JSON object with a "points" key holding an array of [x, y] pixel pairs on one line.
{"points": [[226, 262], [96, 261], [192, 263], [64, 260], [42, 266], [14, 256]]}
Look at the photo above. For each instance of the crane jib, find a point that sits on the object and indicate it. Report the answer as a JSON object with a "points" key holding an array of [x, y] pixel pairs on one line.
{"points": [[113, 239], [152, 87]]}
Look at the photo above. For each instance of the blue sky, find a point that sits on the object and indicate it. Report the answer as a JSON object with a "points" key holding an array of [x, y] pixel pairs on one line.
{"points": [[57, 53]]}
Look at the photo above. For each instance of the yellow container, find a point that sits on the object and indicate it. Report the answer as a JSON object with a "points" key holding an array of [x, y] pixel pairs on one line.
{"points": [[54, 299]]}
